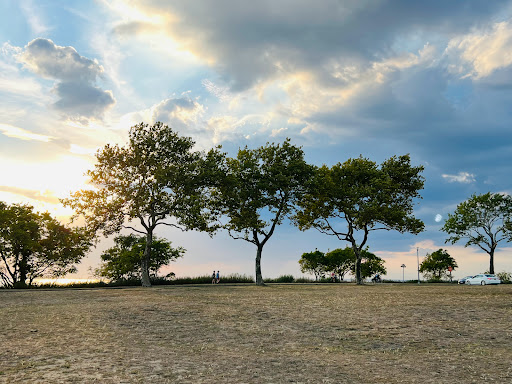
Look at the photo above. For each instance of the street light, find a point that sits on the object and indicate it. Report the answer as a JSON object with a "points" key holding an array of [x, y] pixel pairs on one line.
{"points": [[403, 273], [418, 258]]}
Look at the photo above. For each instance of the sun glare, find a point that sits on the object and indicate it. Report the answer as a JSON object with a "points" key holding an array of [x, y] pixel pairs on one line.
{"points": [[43, 184]]}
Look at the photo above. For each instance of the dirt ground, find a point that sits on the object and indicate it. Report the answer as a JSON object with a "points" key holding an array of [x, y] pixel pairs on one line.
{"points": [[332, 333]]}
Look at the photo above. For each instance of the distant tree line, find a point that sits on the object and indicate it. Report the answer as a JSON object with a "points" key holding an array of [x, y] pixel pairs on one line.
{"points": [[340, 262], [158, 179]]}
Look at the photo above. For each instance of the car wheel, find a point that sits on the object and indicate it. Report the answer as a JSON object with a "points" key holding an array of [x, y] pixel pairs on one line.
{"points": [[467, 283], [482, 283]]}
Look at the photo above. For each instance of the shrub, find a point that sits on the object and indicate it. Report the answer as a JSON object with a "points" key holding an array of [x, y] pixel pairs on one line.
{"points": [[281, 279], [505, 277]]}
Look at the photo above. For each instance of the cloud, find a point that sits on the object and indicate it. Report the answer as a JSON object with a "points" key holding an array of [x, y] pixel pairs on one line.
{"points": [[34, 18], [19, 133], [438, 218], [76, 76], [251, 43], [461, 177], [481, 53], [45, 196]]}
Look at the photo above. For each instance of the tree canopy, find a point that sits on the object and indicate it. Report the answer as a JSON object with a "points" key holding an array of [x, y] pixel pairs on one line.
{"points": [[436, 264], [482, 220], [340, 261], [371, 264], [123, 261], [352, 199], [35, 245], [313, 262], [261, 189], [156, 177]]}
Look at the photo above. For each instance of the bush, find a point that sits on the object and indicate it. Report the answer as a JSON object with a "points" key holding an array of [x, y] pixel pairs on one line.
{"points": [[505, 277], [281, 279]]}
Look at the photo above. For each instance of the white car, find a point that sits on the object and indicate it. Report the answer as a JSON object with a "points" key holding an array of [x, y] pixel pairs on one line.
{"points": [[482, 279]]}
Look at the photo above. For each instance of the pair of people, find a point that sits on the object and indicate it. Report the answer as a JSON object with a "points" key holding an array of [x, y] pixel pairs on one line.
{"points": [[216, 277]]}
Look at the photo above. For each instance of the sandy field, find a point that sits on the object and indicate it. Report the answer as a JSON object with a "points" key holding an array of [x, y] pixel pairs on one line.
{"points": [[331, 333]]}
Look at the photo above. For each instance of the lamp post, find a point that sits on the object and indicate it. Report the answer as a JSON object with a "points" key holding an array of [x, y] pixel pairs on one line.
{"points": [[418, 259], [403, 273]]}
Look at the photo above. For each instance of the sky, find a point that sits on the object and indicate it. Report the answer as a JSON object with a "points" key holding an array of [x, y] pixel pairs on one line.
{"points": [[341, 78]]}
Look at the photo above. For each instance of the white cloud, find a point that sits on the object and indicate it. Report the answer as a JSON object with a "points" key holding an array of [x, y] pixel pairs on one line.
{"points": [[438, 218], [19, 133], [482, 53], [461, 177], [34, 18]]}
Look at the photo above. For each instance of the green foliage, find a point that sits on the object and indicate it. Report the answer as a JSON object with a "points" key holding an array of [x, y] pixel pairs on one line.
{"points": [[371, 264], [482, 220], [340, 261], [505, 277], [435, 265], [156, 176], [281, 279], [260, 189], [124, 260], [361, 197], [234, 278], [314, 263], [36, 245]]}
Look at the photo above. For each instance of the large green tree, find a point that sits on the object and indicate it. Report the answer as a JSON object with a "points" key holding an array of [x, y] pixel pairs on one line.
{"points": [[484, 221], [352, 199], [123, 261], [436, 264], [156, 179], [313, 262], [35, 245], [261, 189]]}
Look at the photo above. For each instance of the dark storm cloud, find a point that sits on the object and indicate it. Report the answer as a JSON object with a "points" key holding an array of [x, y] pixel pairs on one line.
{"points": [[252, 41], [76, 77]]}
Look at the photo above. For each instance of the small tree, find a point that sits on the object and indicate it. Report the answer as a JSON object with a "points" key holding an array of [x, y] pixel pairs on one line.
{"points": [[436, 264], [314, 263], [156, 177], [34, 245], [261, 189], [484, 221], [352, 199], [340, 261], [124, 260]]}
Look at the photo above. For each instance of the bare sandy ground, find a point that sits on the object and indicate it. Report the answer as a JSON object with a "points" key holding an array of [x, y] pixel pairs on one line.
{"points": [[332, 333]]}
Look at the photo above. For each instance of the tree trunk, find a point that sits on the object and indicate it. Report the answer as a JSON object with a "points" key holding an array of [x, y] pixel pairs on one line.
{"points": [[146, 281], [359, 280], [23, 266], [259, 278], [491, 261]]}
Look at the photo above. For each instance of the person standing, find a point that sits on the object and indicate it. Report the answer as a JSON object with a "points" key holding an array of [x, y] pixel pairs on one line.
{"points": [[218, 277], [214, 280]]}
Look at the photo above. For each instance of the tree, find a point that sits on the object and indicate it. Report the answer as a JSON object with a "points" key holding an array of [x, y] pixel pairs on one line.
{"points": [[484, 220], [436, 264], [313, 262], [124, 260], [260, 190], [155, 177], [352, 199], [371, 264], [340, 261], [35, 245]]}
